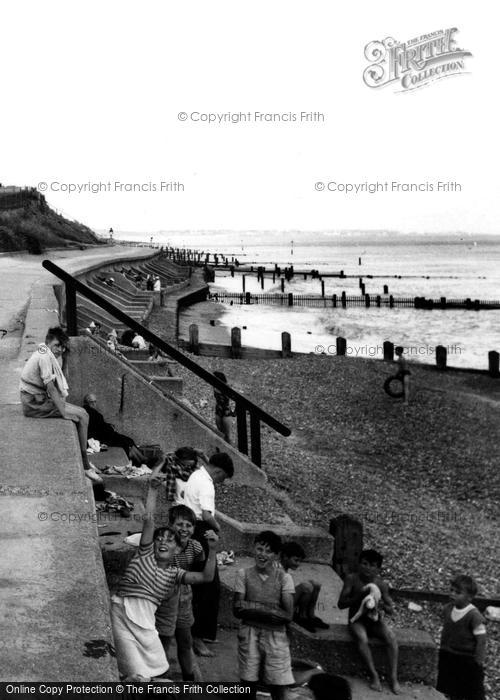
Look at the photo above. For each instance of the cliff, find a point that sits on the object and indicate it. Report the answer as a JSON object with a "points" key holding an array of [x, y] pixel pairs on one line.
{"points": [[28, 223]]}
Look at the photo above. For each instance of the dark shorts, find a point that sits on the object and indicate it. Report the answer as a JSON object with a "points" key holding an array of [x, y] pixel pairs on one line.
{"points": [[460, 676], [39, 406], [374, 628]]}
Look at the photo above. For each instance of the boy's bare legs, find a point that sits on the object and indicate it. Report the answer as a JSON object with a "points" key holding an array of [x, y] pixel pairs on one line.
{"points": [[185, 653], [80, 417], [313, 599], [388, 636], [226, 428], [359, 632], [406, 389]]}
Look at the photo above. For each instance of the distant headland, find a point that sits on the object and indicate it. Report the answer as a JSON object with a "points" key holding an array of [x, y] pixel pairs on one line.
{"points": [[27, 223]]}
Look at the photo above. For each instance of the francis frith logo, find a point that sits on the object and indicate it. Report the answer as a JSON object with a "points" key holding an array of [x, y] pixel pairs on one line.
{"points": [[415, 63]]}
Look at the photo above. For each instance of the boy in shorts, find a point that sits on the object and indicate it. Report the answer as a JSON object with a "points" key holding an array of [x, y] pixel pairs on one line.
{"points": [[356, 587], [263, 600], [306, 592]]}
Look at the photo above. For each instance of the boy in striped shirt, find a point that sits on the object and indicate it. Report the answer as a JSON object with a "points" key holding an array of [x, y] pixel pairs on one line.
{"points": [[151, 576], [175, 615]]}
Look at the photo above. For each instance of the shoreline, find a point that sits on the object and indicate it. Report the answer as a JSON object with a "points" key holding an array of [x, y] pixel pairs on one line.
{"points": [[219, 336]]}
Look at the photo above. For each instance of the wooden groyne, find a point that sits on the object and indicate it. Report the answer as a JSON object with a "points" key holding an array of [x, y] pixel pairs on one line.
{"points": [[338, 347], [344, 301]]}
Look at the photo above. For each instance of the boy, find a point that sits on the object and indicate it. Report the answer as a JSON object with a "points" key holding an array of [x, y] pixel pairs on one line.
{"points": [[263, 600], [44, 389], [403, 373], [370, 625], [199, 495], [463, 644], [306, 593], [151, 576], [175, 615]]}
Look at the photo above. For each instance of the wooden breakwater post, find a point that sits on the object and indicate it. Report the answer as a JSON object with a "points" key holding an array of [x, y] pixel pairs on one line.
{"points": [[323, 288], [286, 345], [243, 282], [441, 357], [367, 301], [282, 285], [341, 346], [290, 299], [247, 298], [493, 363], [236, 343], [386, 289], [378, 300], [334, 301], [348, 535], [343, 299], [194, 343], [388, 351]]}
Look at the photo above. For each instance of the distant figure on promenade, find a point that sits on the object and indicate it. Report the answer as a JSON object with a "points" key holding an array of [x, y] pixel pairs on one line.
{"points": [[106, 433], [157, 284], [223, 411], [149, 283], [403, 373], [44, 390]]}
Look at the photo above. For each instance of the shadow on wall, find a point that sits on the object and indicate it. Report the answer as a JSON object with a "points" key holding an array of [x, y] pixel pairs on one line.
{"points": [[138, 409]]}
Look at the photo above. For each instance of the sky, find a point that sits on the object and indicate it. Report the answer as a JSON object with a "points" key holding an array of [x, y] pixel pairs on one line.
{"points": [[93, 92]]}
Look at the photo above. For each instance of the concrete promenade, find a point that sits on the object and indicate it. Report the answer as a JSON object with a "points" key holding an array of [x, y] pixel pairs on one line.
{"points": [[55, 624]]}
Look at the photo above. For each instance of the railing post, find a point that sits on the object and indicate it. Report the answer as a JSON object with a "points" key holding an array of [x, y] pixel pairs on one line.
{"points": [[71, 313], [241, 426], [194, 345], [255, 447]]}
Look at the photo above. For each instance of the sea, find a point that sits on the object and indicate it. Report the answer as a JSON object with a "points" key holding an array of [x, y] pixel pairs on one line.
{"points": [[455, 265]]}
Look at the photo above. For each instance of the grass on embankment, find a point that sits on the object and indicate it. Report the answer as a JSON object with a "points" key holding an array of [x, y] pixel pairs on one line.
{"points": [[36, 227]]}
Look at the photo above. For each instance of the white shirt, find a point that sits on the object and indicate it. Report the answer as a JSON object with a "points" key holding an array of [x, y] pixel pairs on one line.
{"points": [[199, 492], [139, 342]]}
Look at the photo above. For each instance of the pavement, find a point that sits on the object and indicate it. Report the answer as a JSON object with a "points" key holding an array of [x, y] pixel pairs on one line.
{"points": [[54, 603]]}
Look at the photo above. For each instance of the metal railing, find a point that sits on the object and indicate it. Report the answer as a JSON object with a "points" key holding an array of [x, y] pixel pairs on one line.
{"points": [[242, 404]]}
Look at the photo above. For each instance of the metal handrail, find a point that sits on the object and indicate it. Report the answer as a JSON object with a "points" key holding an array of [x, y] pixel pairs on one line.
{"points": [[243, 404]]}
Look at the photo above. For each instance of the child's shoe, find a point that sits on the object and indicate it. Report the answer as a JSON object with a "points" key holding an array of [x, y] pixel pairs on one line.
{"points": [[319, 623], [305, 623]]}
